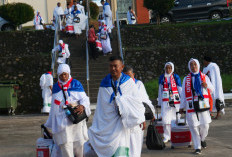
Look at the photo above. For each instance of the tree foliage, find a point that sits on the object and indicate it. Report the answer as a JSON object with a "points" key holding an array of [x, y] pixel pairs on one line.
{"points": [[159, 6], [17, 13], [94, 9]]}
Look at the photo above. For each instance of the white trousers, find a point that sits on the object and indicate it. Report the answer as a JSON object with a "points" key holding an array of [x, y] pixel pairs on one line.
{"points": [[167, 131], [199, 133], [72, 149], [136, 141]]}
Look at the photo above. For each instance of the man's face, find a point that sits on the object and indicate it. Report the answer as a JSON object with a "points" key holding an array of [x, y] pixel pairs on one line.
{"points": [[193, 66], [168, 69], [102, 3], [64, 77], [58, 4], [75, 3], [205, 63], [116, 68], [131, 74]]}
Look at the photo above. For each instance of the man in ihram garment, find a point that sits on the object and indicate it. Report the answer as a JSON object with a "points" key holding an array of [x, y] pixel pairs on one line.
{"points": [[119, 108]]}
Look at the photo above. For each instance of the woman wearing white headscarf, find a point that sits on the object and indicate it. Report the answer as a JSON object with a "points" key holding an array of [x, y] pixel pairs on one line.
{"points": [[105, 39], [169, 98], [196, 92], [38, 21], [68, 136]]}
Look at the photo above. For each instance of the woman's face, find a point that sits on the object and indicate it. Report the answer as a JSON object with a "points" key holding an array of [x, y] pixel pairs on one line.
{"points": [[193, 66], [64, 77], [168, 69]]}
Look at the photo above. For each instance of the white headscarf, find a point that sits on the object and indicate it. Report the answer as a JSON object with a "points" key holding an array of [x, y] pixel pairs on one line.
{"points": [[61, 69], [103, 21], [198, 64], [61, 42], [172, 65]]}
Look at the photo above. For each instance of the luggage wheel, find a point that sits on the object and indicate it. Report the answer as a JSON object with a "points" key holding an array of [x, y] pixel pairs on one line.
{"points": [[172, 147], [189, 146]]}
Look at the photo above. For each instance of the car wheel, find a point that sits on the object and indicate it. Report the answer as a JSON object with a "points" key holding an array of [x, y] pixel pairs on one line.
{"points": [[165, 19], [215, 15], [8, 27]]}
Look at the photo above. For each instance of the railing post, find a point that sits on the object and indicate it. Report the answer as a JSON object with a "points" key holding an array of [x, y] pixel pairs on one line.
{"points": [[56, 37], [119, 37], [87, 54]]}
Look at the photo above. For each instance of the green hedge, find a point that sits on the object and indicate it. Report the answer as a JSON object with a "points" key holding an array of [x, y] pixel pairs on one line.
{"points": [[17, 13]]}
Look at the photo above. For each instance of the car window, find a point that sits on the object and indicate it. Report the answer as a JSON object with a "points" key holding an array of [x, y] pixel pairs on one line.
{"points": [[184, 2]]}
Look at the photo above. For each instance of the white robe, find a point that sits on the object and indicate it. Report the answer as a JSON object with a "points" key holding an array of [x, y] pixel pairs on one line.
{"points": [[37, 24], [107, 16], [56, 13], [62, 128], [62, 60], [106, 45], [168, 113], [215, 77], [77, 26], [46, 80], [204, 117], [109, 131], [136, 134], [130, 21], [67, 12]]}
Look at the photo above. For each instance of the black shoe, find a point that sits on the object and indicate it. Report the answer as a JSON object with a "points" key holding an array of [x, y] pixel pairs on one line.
{"points": [[203, 144], [198, 151]]}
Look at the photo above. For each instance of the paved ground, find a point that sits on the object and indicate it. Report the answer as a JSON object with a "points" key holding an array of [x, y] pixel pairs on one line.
{"points": [[18, 136]]}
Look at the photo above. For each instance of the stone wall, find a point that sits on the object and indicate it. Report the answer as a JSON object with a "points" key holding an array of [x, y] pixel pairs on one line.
{"points": [[148, 48], [24, 56]]}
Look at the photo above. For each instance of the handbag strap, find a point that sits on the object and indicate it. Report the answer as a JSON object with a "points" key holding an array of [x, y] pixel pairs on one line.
{"points": [[63, 94]]}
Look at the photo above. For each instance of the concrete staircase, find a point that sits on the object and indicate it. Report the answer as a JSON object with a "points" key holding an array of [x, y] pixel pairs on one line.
{"points": [[98, 69]]}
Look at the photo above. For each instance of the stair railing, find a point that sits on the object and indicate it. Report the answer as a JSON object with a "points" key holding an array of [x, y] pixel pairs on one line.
{"points": [[119, 38], [87, 54], [56, 38]]}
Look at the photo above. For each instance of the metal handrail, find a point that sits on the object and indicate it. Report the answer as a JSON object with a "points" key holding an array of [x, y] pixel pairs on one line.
{"points": [[87, 55], [119, 38], [56, 38]]}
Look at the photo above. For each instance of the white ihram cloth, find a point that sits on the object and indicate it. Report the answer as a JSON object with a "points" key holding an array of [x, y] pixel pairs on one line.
{"points": [[46, 80], [130, 21], [67, 12], [78, 26], [109, 131], [213, 72], [62, 60], [136, 134], [80, 8], [56, 13]]}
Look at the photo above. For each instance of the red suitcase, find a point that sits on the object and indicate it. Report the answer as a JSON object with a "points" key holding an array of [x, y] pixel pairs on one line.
{"points": [[180, 134]]}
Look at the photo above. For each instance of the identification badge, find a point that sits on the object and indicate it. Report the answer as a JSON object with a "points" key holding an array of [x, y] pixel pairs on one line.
{"points": [[165, 94], [203, 104]]}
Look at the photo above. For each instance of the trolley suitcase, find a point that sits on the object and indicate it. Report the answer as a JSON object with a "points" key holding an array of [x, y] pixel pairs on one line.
{"points": [[180, 133], [159, 124]]}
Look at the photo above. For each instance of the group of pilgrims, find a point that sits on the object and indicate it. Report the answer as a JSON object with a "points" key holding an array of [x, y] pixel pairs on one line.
{"points": [[118, 123]]}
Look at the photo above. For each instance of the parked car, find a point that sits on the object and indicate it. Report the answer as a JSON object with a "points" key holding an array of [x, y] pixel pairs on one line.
{"points": [[5, 25], [197, 9]]}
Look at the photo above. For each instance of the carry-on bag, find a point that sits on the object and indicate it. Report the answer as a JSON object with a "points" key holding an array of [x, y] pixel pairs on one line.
{"points": [[180, 133], [153, 140]]}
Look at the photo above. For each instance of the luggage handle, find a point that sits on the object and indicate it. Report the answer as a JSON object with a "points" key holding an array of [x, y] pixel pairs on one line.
{"points": [[177, 113], [157, 113]]}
